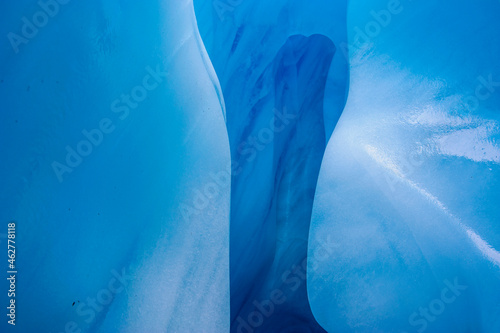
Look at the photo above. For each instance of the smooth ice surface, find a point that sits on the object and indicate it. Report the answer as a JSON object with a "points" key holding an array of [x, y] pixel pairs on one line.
{"points": [[120, 134], [129, 208], [408, 194]]}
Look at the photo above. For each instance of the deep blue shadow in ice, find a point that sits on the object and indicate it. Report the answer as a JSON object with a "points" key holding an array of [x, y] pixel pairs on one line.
{"points": [[279, 153], [284, 85]]}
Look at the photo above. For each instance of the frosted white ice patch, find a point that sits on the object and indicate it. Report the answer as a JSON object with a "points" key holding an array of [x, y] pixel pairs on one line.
{"points": [[472, 143]]}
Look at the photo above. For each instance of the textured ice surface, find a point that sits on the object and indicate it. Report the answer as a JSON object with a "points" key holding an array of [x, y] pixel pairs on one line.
{"points": [[404, 233], [408, 193], [118, 210]]}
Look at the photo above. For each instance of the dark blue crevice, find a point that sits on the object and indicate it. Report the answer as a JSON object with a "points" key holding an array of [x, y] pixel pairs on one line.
{"points": [[278, 154]]}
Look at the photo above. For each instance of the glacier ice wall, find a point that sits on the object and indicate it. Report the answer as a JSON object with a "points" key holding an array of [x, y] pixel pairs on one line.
{"points": [[117, 165], [284, 83], [407, 199], [143, 205]]}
